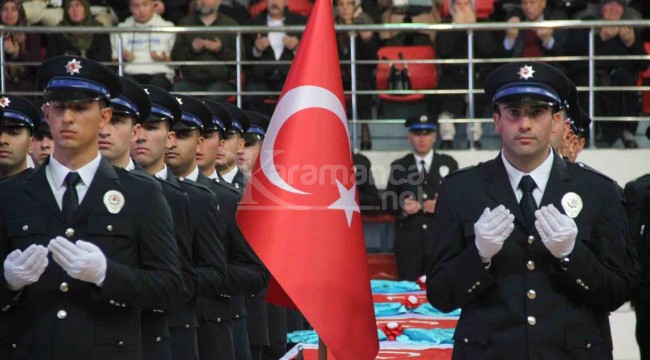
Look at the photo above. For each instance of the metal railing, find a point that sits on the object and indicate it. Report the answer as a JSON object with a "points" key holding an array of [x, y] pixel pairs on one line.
{"points": [[471, 61]]}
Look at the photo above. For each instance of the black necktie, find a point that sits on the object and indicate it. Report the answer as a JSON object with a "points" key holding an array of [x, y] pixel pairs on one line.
{"points": [[70, 197], [423, 173], [527, 203]]}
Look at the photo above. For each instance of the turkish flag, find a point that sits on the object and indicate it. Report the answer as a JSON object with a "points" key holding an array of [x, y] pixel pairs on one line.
{"points": [[299, 211]]}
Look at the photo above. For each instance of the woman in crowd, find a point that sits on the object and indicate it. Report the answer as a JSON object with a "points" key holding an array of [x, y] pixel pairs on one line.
{"points": [[92, 46], [19, 48]]}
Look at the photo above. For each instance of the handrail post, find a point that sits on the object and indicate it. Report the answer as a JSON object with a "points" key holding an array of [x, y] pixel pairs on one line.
{"points": [[2, 63], [592, 75], [353, 87], [470, 86], [238, 46], [120, 59]]}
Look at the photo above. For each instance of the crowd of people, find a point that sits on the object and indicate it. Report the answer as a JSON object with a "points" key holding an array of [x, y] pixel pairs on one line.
{"points": [[146, 56]]}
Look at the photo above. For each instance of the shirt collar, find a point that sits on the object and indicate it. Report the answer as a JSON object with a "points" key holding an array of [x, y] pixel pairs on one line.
{"points": [[230, 175], [214, 175], [540, 174], [428, 158], [86, 172], [194, 175], [130, 166], [162, 174]]}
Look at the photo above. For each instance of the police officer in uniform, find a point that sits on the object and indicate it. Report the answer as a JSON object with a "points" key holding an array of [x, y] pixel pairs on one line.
{"points": [[411, 193], [41, 143], [206, 250], [109, 233], [233, 144], [246, 274], [530, 246], [21, 119]]}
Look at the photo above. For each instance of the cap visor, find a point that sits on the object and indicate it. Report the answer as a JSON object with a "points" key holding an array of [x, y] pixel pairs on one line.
{"points": [[71, 95]]}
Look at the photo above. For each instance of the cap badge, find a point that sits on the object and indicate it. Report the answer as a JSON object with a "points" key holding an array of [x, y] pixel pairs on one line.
{"points": [[526, 72], [4, 102], [572, 204], [424, 118], [73, 67], [180, 101], [114, 201], [443, 170]]}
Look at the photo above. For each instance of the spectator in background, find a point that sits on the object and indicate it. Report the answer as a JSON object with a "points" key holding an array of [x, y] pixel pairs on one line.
{"points": [[206, 46], [272, 46], [350, 12], [19, 47], [398, 14], [368, 194], [535, 42], [144, 52], [92, 46], [50, 12], [453, 45], [612, 41]]}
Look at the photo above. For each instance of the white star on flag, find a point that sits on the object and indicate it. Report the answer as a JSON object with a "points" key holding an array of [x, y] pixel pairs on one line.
{"points": [[347, 202]]}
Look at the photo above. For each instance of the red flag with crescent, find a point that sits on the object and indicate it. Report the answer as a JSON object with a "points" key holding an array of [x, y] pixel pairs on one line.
{"points": [[299, 211]]}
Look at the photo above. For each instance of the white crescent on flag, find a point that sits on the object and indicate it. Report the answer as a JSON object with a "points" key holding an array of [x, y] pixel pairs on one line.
{"points": [[297, 99]]}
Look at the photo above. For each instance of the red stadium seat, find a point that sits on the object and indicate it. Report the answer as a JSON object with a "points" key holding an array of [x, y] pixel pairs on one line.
{"points": [[644, 80], [422, 76], [301, 7]]}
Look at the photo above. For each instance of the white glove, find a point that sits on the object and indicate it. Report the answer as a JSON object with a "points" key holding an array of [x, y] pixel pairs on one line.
{"points": [[22, 268], [491, 230], [82, 260], [558, 231]]}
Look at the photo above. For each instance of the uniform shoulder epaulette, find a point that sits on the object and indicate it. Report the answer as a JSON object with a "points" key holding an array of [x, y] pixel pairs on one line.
{"points": [[193, 183], [589, 168], [226, 185], [462, 170], [167, 183]]}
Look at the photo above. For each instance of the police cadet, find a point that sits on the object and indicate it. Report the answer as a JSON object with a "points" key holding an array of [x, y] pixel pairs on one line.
{"points": [[233, 144], [253, 138], [41, 143], [152, 138], [109, 233], [411, 193], [530, 246], [165, 334], [246, 274], [21, 118]]}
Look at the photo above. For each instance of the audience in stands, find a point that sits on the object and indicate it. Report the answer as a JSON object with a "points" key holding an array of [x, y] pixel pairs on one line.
{"points": [[206, 46], [271, 46], [409, 14], [611, 41], [535, 42], [144, 53], [237, 9], [453, 45], [351, 12], [92, 46], [51, 12], [19, 47]]}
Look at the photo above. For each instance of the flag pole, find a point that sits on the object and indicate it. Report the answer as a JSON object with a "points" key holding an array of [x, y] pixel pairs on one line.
{"points": [[322, 350]]}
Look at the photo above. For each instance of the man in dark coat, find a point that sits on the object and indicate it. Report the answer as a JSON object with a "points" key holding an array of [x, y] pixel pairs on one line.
{"points": [[530, 246], [412, 192], [272, 46], [109, 231]]}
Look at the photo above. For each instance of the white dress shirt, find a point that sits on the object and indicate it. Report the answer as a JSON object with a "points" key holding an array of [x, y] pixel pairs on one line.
{"points": [[230, 175], [540, 175], [56, 173], [194, 175], [428, 159], [214, 175], [130, 166], [162, 174]]}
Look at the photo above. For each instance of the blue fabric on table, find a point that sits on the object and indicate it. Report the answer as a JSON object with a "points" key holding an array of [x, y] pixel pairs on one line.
{"points": [[427, 336], [389, 309], [427, 309], [390, 286]]}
